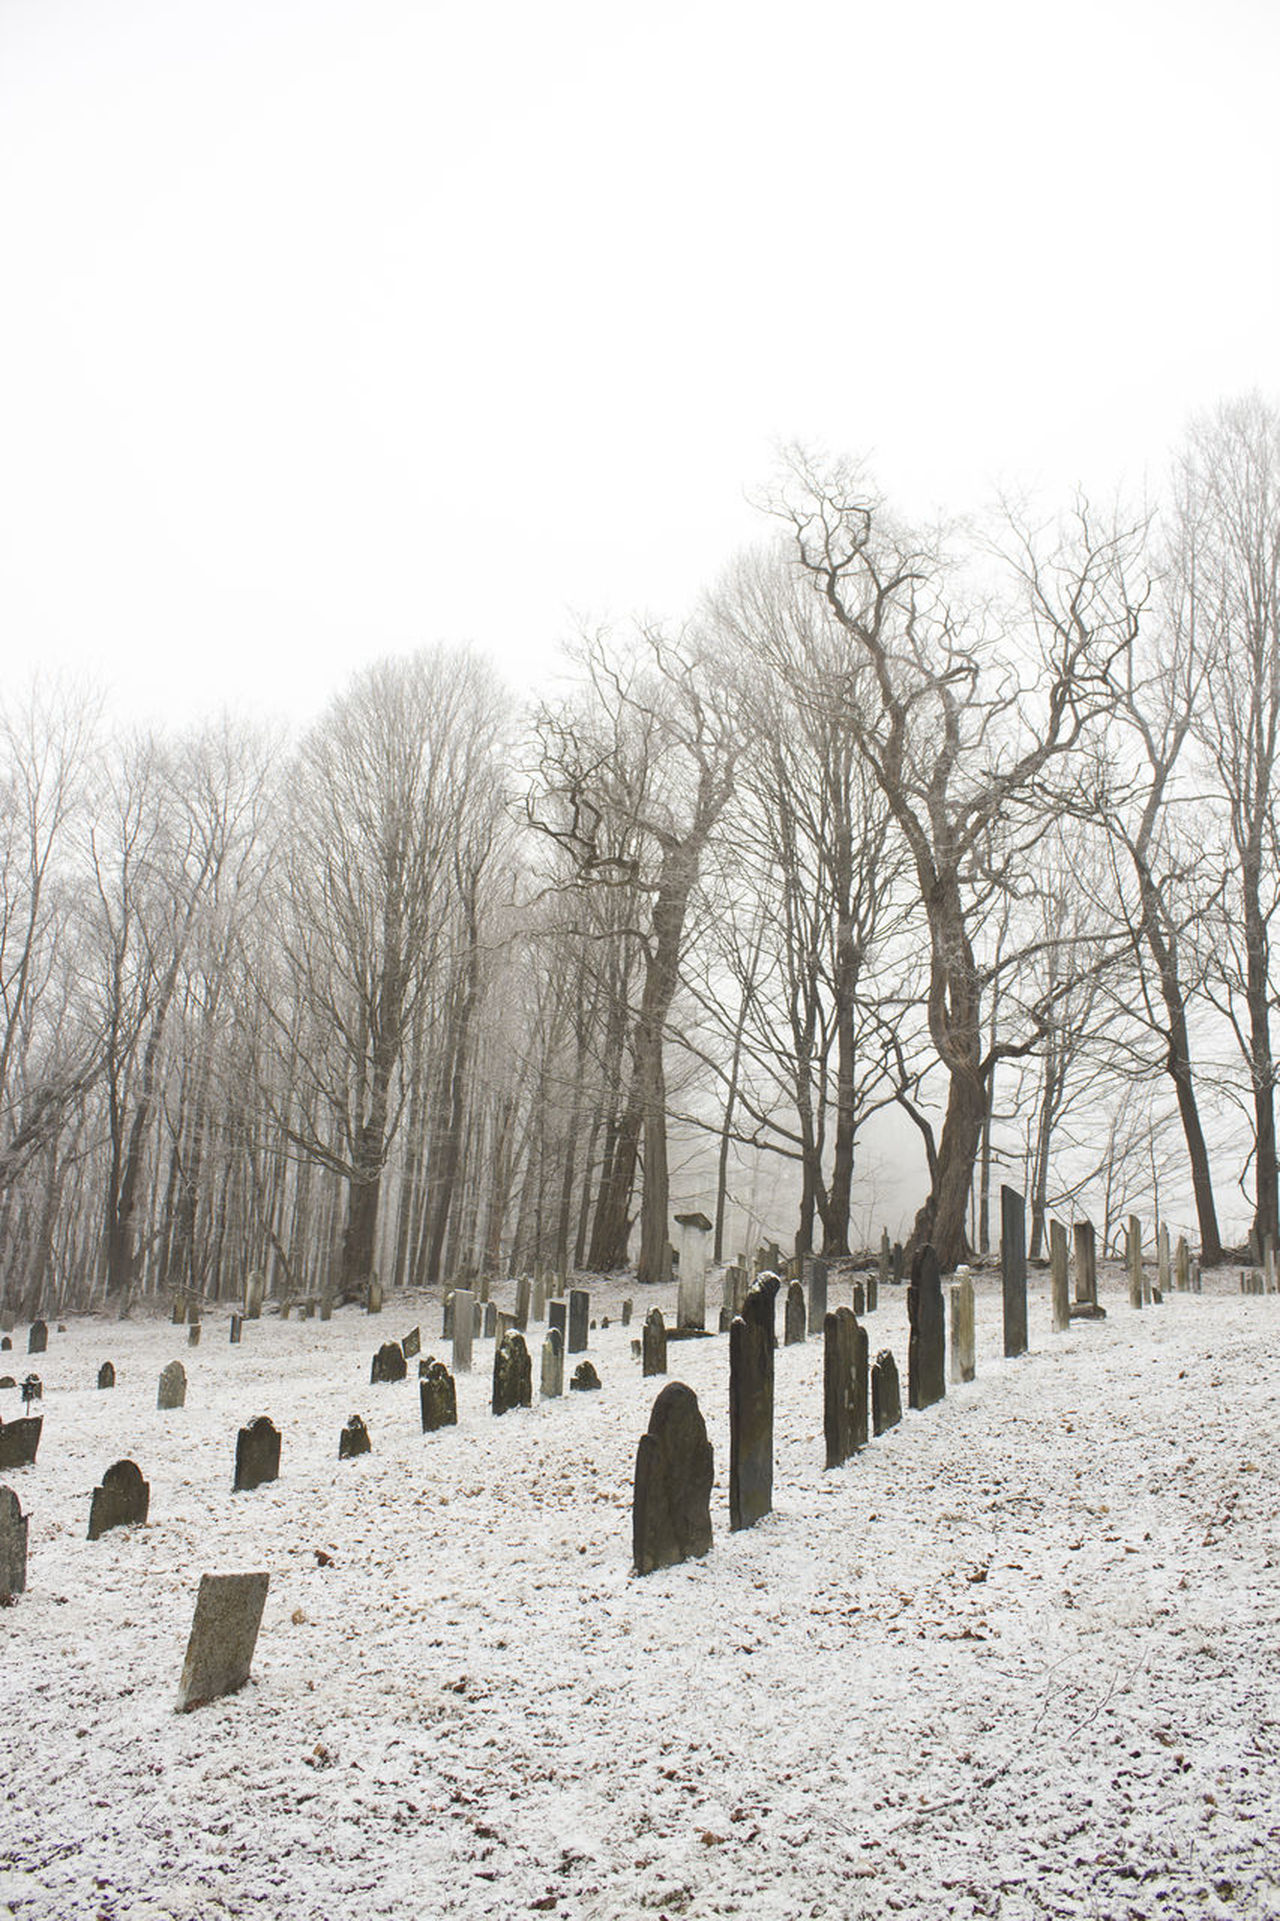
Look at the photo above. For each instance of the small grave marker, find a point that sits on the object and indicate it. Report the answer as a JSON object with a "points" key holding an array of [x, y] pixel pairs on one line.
{"points": [[926, 1347], [793, 1319], [106, 1375], [585, 1379], [122, 1500], [886, 1393], [38, 1338], [512, 1374], [354, 1439], [172, 1391]]}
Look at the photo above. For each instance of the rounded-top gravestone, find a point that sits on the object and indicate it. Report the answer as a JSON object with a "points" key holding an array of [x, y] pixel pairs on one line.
{"points": [[675, 1467]]}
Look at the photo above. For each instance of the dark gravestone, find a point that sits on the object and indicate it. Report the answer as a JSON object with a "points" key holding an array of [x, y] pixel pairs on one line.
{"points": [[7, 1380], [257, 1455], [873, 1291], [927, 1346], [172, 1391], [489, 1310], [13, 1545], [224, 1634], [193, 1311], [818, 1274], [793, 1322], [859, 1299], [6, 1345], [237, 1328], [512, 1374], [886, 1393], [179, 1311], [626, 1313], [585, 1379], [899, 1263], [437, 1397], [19, 1441], [579, 1320], [121, 1501], [844, 1385], [751, 1344], [32, 1389], [1013, 1270], [38, 1338], [193, 1334], [354, 1439], [106, 1375], [446, 1317], [654, 1346], [558, 1316], [675, 1466], [388, 1364]]}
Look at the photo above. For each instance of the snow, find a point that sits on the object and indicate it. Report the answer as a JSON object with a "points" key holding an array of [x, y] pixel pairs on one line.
{"points": [[1019, 1658]]}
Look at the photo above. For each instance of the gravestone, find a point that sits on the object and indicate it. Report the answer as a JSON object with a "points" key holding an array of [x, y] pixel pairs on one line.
{"points": [[1133, 1260], [13, 1545], [38, 1338], [178, 1313], [751, 1344], [817, 1274], [1164, 1273], [446, 1316], [1059, 1279], [844, 1385], [193, 1310], [224, 1633], [488, 1320], [886, 1393], [691, 1308], [539, 1308], [735, 1283], [106, 1375], [558, 1316], [654, 1348], [626, 1312], [926, 1346], [1013, 1270], [257, 1455], [121, 1501], [6, 1345], [19, 1441], [585, 1379], [512, 1374], [859, 1299], [675, 1468], [1086, 1264], [437, 1397], [172, 1391], [373, 1299], [899, 1263], [553, 1365], [579, 1320], [354, 1439], [793, 1320], [503, 1323], [193, 1334], [884, 1265], [1195, 1277], [326, 1306], [254, 1291], [873, 1290], [237, 1328], [388, 1364], [32, 1389], [1182, 1265], [7, 1380], [411, 1345], [462, 1315], [523, 1302], [964, 1351]]}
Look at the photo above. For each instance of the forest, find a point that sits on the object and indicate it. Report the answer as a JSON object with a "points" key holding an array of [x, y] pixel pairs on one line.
{"points": [[969, 827]]}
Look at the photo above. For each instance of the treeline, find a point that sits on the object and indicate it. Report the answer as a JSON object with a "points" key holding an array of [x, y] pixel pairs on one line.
{"points": [[978, 827]]}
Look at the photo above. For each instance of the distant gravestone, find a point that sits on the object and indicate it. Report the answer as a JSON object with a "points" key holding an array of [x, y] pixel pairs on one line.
{"points": [[817, 1274], [1059, 1278], [6, 1345], [675, 1468], [859, 1299], [1013, 1270], [193, 1334], [553, 1365], [172, 1391], [373, 1299], [13, 1545], [558, 1317], [626, 1312], [926, 1347], [585, 1379], [1085, 1306], [873, 1291], [539, 1305], [751, 1344], [32, 1389], [178, 1313], [257, 1455], [462, 1315], [691, 1300], [579, 1320], [19, 1441], [1164, 1267], [106, 1375], [38, 1338], [654, 1347], [964, 1347], [512, 1374], [437, 1397], [7, 1380], [236, 1330], [224, 1633], [884, 1265], [489, 1322], [122, 1500], [193, 1310], [503, 1323], [354, 1439], [1133, 1260], [326, 1306], [886, 1393], [523, 1302], [735, 1284], [254, 1290], [844, 1385], [446, 1316], [1182, 1265], [899, 1263], [411, 1345], [388, 1364], [793, 1318]]}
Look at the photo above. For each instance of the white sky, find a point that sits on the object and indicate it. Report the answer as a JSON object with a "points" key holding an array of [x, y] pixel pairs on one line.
{"points": [[333, 327]]}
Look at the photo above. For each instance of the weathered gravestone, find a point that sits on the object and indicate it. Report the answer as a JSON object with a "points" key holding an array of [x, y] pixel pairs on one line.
{"points": [[193, 1310], [793, 1321], [1133, 1261], [6, 1345], [1059, 1278], [1164, 1267], [411, 1345], [121, 1501], [899, 1263], [626, 1312], [172, 1391], [553, 1365], [558, 1317], [859, 1299], [654, 1349], [462, 1313], [437, 1397], [539, 1306], [691, 1300], [585, 1379], [675, 1467], [512, 1374], [1182, 1265], [178, 1314], [734, 1285], [224, 1633], [502, 1325], [388, 1364], [254, 1291], [193, 1334], [354, 1439], [844, 1385], [886, 1393], [579, 1320], [817, 1273], [884, 1264], [1085, 1306], [235, 1330], [13, 1545], [751, 1344], [873, 1291], [106, 1375], [19, 1441], [964, 1346], [38, 1338], [257, 1455], [1013, 1270], [926, 1347], [373, 1300], [489, 1311]]}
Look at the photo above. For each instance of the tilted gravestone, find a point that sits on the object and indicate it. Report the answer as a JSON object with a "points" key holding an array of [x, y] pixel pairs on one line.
{"points": [[964, 1346], [193, 1334], [579, 1320], [354, 1439], [751, 1345], [106, 1375], [926, 1347], [388, 1364], [121, 1501], [411, 1345], [19, 1441], [793, 1318], [585, 1379], [257, 1455], [886, 1393], [1059, 1278], [844, 1385], [224, 1633], [1013, 1270], [675, 1467], [553, 1364], [654, 1348], [38, 1338], [437, 1397], [172, 1391], [13, 1545], [462, 1306], [512, 1374]]}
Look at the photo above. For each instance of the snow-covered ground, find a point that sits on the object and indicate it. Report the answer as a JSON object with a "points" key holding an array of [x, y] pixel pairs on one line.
{"points": [[1021, 1657]]}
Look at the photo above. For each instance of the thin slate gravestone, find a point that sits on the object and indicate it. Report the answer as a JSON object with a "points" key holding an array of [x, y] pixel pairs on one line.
{"points": [[1086, 1264], [106, 1375], [373, 1300], [1133, 1261], [579, 1320], [512, 1374], [751, 1343], [487, 1316], [1182, 1265], [193, 1334], [437, 1397], [964, 1347], [354, 1439], [524, 1301], [626, 1312], [172, 1391], [388, 1364], [254, 1290], [886, 1393], [793, 1321], [859, 1299], [121, 1501], [1013, 1270], [236, 1329], [1059, 1279], [411, 1345], [224, 1633], [558, 1316], [257, 1455], [38, 1338], [844, 1385], [552, 1364], [585, 1379], [654, 1348], [818, 1274], [462, 1319], [19, 1441], [13, 1545], [873, 1291], [675, 1467], [926, 1348]]}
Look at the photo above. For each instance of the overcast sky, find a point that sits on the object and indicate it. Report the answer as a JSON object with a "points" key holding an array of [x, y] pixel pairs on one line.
{"points": [[335, 327]]}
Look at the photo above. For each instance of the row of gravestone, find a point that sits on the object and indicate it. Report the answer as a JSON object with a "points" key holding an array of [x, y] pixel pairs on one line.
{"points": [[512, 1375]]}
